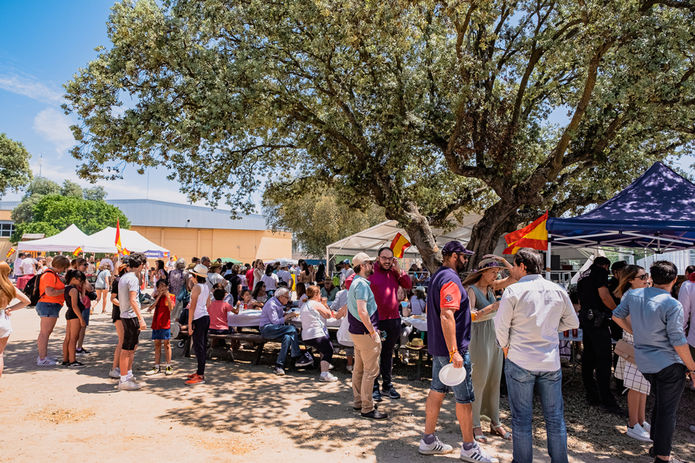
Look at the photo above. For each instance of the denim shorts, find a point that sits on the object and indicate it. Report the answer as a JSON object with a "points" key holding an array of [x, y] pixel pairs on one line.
{"points": [[463, 393], [85, 315], [163, 334], [48, 309]]}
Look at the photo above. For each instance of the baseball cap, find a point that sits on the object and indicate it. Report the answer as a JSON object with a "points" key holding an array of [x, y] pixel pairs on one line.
{"points": [[361, 258], [454, 246]]}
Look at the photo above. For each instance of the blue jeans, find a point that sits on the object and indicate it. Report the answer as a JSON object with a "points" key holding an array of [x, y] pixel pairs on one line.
{"points": [[520, 385], [288, 337]]}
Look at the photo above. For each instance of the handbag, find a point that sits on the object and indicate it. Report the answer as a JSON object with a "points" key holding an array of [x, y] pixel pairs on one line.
{"points": [[625, 350]]}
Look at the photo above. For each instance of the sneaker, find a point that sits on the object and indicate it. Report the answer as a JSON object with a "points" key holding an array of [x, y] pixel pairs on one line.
{"points": [[435, 448], [349, 368], [65, 363], [153, 371], [637, 432], [375, 415], [129, 385], [391, 393], [169, 370], [692, 428], [376, 395], [327, 377], [82, 351], [279, 371], [191, 375], [647, 427], [304, 361], [75, 364], [115, 373], [197, 379], [477, 455], [47, 362]]}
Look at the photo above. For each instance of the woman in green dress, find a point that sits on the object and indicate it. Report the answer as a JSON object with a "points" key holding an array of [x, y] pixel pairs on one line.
{"points": [[486, 356]]}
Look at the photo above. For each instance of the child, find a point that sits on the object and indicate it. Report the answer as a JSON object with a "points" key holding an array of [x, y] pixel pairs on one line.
{"points": [[74, 316], [218, 311], [161, 326]]}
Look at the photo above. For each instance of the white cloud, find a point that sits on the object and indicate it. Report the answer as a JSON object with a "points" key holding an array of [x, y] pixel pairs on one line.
{"points": [[31, 88], [54, 126]]}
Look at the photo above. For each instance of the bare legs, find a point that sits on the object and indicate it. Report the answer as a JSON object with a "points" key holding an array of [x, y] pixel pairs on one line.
{"points": [[3, 343], [47, 325], [117, 352], [636, 407], [72, 330], [158, 351], [464, 414]]}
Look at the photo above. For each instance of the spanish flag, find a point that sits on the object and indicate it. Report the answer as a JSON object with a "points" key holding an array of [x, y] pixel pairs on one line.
{"points": [[125, 252], [533, 236], [77, 251], [10, 252], [399, 245], [119, 246]]}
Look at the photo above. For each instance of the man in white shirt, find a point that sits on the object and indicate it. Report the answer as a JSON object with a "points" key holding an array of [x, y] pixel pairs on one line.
{"points": [[531, 313], [686, 296], [28, 265], [285, 276], [18, 265]]}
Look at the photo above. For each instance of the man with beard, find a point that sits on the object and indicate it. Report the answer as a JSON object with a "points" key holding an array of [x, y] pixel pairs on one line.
{"points": [[363, 319], [449, 334]]}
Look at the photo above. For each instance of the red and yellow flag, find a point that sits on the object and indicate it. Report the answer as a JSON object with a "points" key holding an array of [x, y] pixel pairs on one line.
{"points": [[399, 244], [534, 235], [119, 246], [125, 252], [77, 251], [10, 252]]}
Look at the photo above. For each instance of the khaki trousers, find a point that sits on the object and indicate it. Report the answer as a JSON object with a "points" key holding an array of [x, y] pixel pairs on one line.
{"points": [[365, 370]]}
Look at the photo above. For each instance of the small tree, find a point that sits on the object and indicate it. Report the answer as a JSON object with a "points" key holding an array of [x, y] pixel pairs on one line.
{"points": [[14, 165]]}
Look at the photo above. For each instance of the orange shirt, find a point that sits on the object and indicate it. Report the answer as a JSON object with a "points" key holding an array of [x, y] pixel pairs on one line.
{"points": [[50, 279]]}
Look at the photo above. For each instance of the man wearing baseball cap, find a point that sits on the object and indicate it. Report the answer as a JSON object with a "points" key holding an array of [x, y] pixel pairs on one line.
{"points": [[449, 334], [363, 319]]}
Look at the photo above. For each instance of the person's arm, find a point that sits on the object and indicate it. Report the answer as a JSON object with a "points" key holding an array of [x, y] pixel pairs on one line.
{"points": [[134, 303], [684, 299], [366, 321], [52, 291], [191, 308], [23, 302], [568, 320], [622, 313], [324, 311], [606, 297], [503, 320], [114, 299], [450, 302]]}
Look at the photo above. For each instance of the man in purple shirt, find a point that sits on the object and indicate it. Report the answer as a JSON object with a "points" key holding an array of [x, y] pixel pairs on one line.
{"points": [[273, 326], [448, 337], [385, 280]]}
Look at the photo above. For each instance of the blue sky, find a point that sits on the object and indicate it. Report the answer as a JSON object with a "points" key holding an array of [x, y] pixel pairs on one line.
{"points": [[42, 44]]}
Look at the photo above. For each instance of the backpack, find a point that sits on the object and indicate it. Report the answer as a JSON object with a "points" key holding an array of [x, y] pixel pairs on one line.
{"points": [[31, 290]]}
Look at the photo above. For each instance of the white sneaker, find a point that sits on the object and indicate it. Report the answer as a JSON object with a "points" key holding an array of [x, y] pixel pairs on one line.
{"points": [[435, 448], [47, 362], [129, 385], [638, 432], [154, 371], [647, 427], [115, 373], [327, 377], [279, 371], [349, 368], [477, 455]]}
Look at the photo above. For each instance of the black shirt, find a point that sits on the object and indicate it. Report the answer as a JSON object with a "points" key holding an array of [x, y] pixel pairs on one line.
{"points": [[588, 286]]}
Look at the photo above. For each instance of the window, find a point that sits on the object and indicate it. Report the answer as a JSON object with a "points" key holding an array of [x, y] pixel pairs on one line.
{"points": [[6, 229]]}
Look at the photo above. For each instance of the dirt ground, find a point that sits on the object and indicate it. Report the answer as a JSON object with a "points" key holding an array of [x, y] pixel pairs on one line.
{"points": [[245, 413]]}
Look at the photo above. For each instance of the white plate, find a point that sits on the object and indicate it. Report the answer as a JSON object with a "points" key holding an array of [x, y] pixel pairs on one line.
{"points": [[451, 376]]}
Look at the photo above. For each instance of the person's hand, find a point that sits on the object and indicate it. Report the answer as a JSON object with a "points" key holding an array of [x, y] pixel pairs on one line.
{"points": [[506, 351], [83, 323], [143, 326], [190, 329], [376, 337], [396, 268], [457, 360]]}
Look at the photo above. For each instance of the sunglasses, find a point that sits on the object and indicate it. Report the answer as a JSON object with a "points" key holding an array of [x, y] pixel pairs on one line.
{"points": [[643, 277]]}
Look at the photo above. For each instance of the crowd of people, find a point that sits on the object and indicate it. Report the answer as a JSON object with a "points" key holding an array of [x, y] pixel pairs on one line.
{"points": [[492, 326]]}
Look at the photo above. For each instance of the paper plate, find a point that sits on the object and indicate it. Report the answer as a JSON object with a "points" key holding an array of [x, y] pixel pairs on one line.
{"points": [[451, 376]]}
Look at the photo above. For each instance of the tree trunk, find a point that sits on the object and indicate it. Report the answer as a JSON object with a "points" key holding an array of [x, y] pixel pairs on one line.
{"points": [[495, 221], [421, 235]]}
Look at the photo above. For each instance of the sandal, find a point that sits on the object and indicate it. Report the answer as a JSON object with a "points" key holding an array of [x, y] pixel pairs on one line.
{"points": [[500, 431], [479, 437]]}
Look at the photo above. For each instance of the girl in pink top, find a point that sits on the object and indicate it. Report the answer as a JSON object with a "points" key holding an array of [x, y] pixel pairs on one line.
{"points": [[218, 311]]}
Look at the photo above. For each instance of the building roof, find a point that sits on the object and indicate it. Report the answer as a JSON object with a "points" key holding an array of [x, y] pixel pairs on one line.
{"points": [[152, 213]]}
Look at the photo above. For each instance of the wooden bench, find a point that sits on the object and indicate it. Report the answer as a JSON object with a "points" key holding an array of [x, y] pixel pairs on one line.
{"points": [[255, 339]]}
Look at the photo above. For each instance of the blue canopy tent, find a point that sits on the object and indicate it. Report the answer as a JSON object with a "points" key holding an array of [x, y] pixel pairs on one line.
{"points": [[657, 212]]}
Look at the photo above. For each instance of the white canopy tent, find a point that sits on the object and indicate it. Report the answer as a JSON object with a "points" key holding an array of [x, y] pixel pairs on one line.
{"points": [[105, 241], [66, 241], [378, 236]]}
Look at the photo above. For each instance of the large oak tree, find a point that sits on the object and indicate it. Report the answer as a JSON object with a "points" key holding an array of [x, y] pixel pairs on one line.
{"points": [[425, 108]]}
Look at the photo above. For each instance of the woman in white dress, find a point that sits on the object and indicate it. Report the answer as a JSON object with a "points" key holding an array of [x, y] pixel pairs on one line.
{"points": [[633, 276], [7, 294]]}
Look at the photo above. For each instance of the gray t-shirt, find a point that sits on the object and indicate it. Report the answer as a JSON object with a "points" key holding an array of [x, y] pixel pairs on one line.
{"points": [[128, 282]]}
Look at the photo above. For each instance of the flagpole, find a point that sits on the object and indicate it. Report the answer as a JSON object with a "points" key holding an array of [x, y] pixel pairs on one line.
{"points": [[547, 258]]}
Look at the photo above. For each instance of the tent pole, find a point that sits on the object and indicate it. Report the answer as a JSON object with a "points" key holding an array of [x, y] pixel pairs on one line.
{"points": [[547, 259]]}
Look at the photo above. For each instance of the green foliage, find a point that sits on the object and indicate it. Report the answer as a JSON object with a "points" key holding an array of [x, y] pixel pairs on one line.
{"points": [[41, 186], [53, 213], [14, 165], [96, 193], [316, 218], [425, 108], [71, 189]]}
